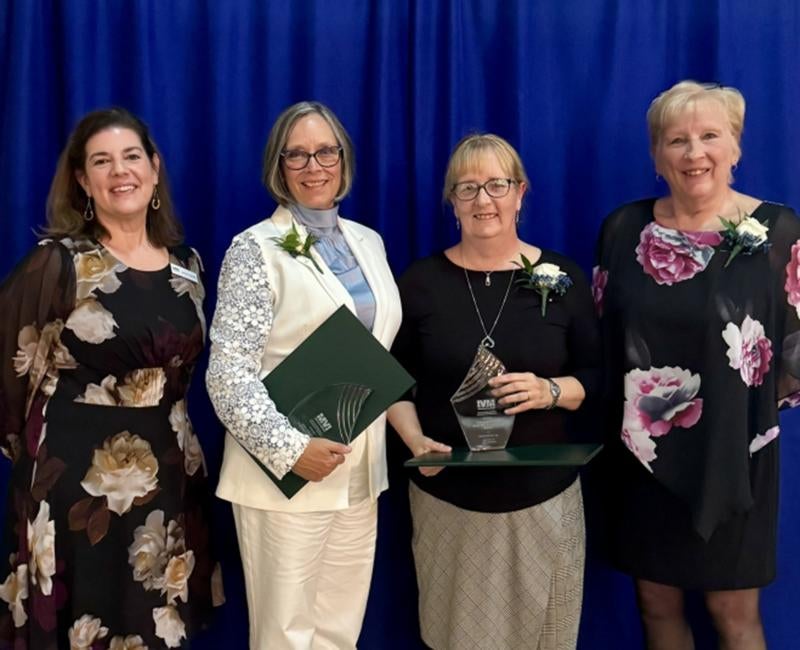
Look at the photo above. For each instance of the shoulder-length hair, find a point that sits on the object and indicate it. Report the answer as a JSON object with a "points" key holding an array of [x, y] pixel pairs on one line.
{"points": [[276, 142], [67, 200]]}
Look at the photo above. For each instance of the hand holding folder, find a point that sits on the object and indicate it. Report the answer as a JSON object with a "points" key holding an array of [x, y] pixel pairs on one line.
{"points": [[334, 384]]}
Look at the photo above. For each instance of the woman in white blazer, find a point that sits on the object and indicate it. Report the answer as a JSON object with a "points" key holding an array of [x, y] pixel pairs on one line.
{"points": [[307, 560]]}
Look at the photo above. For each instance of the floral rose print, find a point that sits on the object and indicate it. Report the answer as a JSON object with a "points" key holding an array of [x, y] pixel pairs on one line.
{"points": [[131, 642], [169, 625], [159, 557], [188, 442], [670, 256], [792, 286], [749, 350], [97, 270], [763, 439], [122, 470], [656, 400], [599, 282], [42, 549], [91, 322], [85, 631], [15, 590], [140, 388], [196, 290]]}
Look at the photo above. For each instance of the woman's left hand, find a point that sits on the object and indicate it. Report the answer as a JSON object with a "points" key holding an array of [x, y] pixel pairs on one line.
{"points": [[521, 391]]}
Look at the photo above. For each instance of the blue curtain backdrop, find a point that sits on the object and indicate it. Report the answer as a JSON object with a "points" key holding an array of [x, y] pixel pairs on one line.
{"points": [[567, 81]]}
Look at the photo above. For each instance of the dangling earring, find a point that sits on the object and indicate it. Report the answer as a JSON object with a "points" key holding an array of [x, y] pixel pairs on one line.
{"points": [[88, 211], [735, 166], [458, 224], [516, 219], [658, 178], [155, 202]]}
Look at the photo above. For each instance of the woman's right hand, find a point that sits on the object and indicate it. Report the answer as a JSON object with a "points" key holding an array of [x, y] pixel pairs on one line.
{"points": [[422, 444], [320, 457]]}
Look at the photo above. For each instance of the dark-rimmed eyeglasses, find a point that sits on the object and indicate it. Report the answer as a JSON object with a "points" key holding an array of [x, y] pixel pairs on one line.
{"points": [[297, 159], [496, 188]]}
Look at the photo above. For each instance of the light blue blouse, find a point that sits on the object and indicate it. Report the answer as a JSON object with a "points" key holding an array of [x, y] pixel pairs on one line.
{"points": [[333, 248]]}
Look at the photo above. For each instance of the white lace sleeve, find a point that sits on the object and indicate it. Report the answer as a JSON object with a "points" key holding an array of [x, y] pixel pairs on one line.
{"points": [[239, 333]]}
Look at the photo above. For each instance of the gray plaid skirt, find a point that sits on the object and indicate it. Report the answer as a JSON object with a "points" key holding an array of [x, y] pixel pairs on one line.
{"points": [[499, 580]]}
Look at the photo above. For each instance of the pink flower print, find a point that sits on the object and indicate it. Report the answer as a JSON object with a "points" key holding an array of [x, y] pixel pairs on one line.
{"points": [[670, 256], [792, 285], [656, 400], [763, 439], [599, 282], [749, 350]]}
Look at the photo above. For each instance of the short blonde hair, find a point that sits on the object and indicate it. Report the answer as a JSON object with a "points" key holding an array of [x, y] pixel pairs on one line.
{"points": [[686, 94], [468, 155], [279, 134]]}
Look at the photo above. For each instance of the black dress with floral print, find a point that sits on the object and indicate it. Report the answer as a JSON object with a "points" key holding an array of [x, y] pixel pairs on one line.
{"points": [[702, 343], [107, 512]]}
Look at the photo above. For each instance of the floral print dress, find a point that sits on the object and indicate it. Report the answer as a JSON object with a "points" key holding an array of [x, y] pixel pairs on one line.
{"points": [[107, 533], [702, 343]]}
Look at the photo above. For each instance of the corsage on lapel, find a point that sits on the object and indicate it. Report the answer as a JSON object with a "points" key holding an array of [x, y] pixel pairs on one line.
{"points": [[293, 244], [544, 278], [748, 236]]}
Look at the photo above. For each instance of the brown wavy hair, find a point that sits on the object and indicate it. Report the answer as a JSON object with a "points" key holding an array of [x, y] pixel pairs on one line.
{"points": [[67, 200]]}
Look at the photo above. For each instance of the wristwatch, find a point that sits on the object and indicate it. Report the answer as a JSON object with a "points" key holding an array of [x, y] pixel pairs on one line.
{"points": [[555, 393]]}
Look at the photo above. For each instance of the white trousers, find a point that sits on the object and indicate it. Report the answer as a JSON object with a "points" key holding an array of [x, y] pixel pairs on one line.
{"points": [[307, 575]]}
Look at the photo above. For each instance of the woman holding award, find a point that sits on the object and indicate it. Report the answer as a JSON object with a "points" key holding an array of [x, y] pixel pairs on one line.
{"points": [[307, 560], [499, 552]]}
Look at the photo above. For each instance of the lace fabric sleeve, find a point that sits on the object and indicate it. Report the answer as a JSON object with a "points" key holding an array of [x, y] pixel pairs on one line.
{"points": [[239, 333], [35, 301]]}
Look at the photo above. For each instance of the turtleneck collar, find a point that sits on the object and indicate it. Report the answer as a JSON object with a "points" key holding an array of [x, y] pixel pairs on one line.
{"points": [[318, 221]]}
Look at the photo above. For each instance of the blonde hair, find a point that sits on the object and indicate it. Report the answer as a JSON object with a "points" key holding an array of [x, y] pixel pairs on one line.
{"points": [[686, 94], [279, 134], [469, 152]]}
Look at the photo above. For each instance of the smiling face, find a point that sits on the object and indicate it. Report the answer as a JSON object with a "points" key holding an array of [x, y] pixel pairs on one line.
{"points": [[696, 152], [313, 186], [484, 216], [118, 175]]}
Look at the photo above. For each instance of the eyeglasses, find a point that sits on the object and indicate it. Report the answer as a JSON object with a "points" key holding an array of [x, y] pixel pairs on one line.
{"points": [[496, 188], [325, 157]]}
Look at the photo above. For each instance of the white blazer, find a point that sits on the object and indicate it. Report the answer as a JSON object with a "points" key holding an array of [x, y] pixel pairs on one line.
{"points": [[303, 298]]}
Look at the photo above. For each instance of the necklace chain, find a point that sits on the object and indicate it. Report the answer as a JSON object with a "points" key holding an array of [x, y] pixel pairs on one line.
{"points": [[487, 340]]}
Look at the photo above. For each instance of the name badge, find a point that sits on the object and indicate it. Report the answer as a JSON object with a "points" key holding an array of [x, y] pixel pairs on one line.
{"points": [[183, 273]]}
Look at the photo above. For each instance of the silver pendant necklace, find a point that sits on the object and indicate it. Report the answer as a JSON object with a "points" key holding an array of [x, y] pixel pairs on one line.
{"points": [[488, 281], [487, 341]]}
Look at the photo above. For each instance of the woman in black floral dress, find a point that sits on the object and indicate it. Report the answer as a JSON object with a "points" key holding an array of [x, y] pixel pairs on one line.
{"points": [[700, 295], [100, 328]]}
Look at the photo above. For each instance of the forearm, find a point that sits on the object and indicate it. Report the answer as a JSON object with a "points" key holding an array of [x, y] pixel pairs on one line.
{"points": [[404, 419]]}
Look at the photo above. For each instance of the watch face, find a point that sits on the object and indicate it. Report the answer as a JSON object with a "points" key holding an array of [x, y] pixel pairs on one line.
{"points": [[555, 390]]}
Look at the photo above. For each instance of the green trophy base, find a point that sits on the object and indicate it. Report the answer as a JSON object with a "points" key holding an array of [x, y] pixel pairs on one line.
{"points": [[533, 455]]}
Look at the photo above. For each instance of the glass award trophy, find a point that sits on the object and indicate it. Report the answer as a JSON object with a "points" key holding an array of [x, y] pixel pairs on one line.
{"points": [[483, 422], [330, 412]]}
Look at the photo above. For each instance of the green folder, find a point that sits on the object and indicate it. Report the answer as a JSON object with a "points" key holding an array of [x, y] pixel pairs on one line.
{"points": [[535, 455], [334, 384]]}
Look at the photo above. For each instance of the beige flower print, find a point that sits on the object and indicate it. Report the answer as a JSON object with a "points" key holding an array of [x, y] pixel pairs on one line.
{"points": [[131, 642], [196, 290], [122, 470], [169, 625], [188, 442], [15, 590], [142, 387], [139, 388], [41, 355], [42, 549], [85, 631], [159, 557], [91, 322], [103, 395], [97, 270]]}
